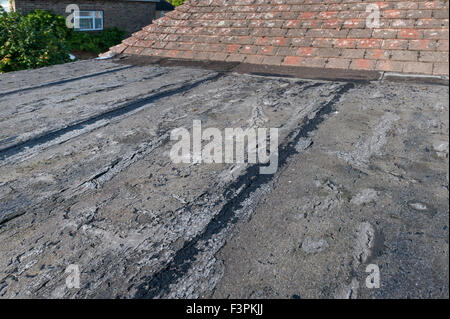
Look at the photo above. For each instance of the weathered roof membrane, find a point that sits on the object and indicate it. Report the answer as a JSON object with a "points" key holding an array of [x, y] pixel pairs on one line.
{"points": [[86, 179], [411, 37]]}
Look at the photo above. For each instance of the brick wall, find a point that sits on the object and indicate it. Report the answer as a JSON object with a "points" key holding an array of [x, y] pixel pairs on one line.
{"points": [[130, 16]]}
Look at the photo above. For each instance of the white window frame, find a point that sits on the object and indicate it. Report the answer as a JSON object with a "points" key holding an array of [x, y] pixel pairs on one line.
{"points": [[92, 14], [6, 6]]}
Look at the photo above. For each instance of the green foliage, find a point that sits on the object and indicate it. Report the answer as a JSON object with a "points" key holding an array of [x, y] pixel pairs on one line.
{"points": [[96, 42], [32, 41], [41, 38], [177, 2]]}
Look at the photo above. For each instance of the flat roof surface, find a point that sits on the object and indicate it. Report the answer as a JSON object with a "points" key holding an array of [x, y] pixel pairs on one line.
{"points": [[86, 179]]}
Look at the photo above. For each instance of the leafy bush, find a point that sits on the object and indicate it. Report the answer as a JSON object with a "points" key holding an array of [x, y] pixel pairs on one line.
{"points": [[177, 2], [95, 42], [32, 41], [42, 38]]}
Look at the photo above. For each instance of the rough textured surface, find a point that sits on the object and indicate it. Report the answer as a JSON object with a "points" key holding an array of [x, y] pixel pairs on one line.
{"points": [[86, 179], [372, 189], [411, 37]]}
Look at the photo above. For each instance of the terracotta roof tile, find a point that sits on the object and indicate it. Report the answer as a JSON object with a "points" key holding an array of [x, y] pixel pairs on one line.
{"points": [[412, 36]]}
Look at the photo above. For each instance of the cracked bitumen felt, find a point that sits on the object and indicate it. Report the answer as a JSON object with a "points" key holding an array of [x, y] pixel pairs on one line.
{"points": [[252, 179], [86, 179], [109, 115], [63, 81]]}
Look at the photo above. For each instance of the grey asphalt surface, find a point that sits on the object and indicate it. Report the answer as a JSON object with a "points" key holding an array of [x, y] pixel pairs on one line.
{"points": [[86, 179]]}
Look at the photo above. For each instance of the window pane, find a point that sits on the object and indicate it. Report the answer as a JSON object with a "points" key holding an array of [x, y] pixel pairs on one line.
{"points": [[89, 20], [86, 23], [99, 23], [98, 20]]}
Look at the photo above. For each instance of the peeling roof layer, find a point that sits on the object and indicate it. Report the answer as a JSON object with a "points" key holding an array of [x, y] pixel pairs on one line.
{"points": [[411, 37], [86, 179]]}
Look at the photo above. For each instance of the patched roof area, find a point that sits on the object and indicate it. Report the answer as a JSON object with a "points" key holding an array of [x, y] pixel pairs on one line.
{"points": [[409, 36], [87, 181]]}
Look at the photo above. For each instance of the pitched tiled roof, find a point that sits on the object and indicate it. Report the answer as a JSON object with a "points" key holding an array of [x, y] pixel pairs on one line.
{"points": [[412, 36]]}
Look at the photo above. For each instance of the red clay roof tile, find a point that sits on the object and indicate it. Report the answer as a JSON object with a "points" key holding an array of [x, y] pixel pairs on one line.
{"points": [[412, 36]]}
